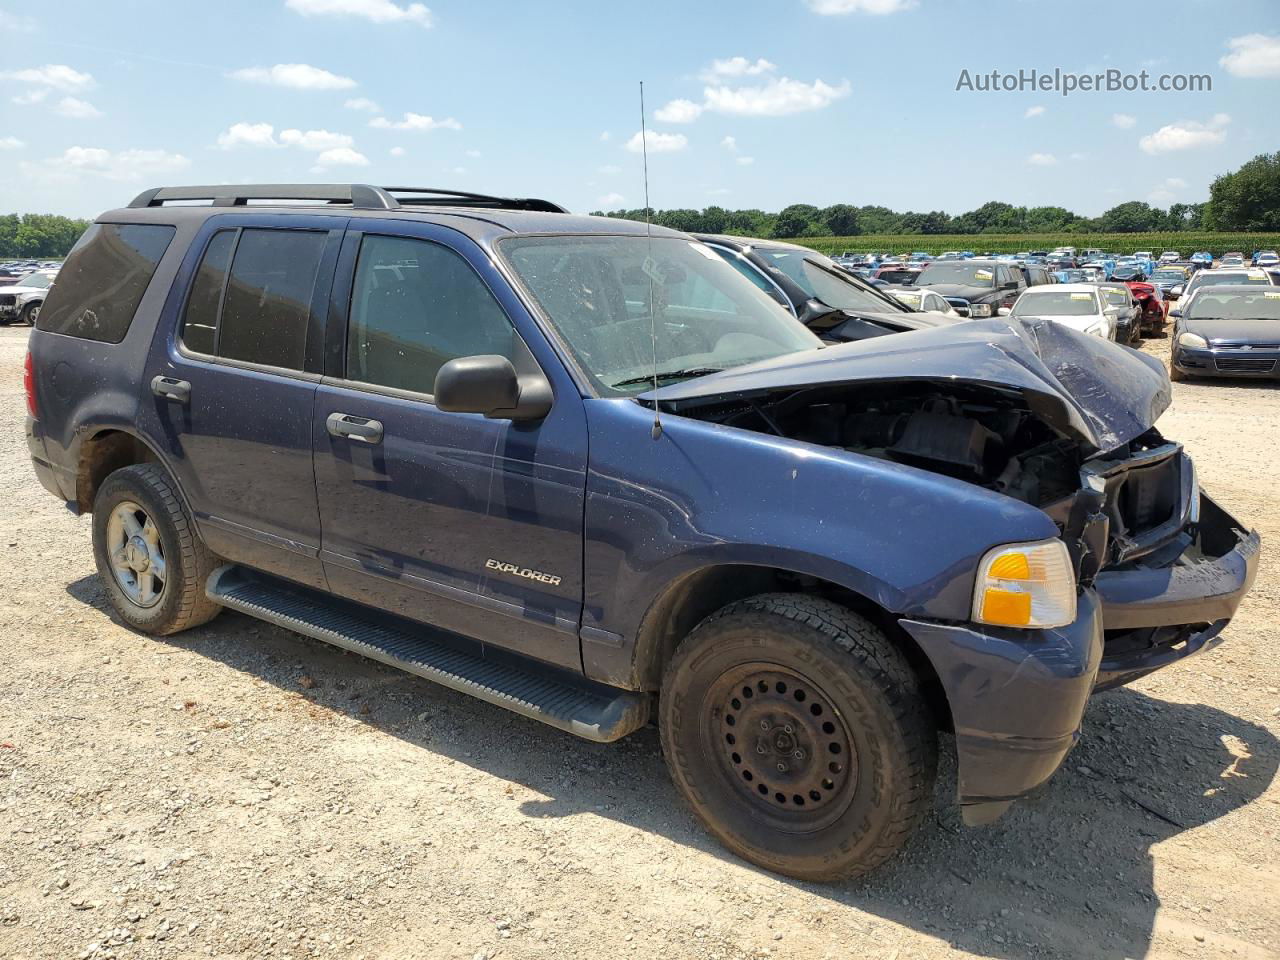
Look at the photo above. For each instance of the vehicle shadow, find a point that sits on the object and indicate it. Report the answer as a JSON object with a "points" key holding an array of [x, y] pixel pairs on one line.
{"points": [[1065, 873]]}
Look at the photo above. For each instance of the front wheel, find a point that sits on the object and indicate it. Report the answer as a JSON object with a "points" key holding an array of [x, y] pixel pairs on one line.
{"points": [[152, 561], [1176, 375], [797, 733], [30, 314]]}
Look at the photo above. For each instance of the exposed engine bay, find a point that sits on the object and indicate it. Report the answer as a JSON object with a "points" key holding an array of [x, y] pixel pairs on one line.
{"points": [[1111, 508], [983, 436]]}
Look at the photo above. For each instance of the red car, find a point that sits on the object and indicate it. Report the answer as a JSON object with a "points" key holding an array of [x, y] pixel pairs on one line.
{"points": [[1154, 308]]}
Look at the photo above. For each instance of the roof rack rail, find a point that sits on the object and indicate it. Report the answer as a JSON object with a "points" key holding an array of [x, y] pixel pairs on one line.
{"points": [[361, 196], [425, 196]]}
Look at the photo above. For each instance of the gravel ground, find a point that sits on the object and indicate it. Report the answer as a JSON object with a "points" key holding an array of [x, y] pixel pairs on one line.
{"points": [[240, 791]]}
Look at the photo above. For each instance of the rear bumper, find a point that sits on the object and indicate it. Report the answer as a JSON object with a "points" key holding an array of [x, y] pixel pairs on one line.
{"points": [[1017, 696], [40, 459]]}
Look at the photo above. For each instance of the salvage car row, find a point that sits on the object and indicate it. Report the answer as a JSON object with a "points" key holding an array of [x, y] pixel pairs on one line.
{"points": [[23, 288]]}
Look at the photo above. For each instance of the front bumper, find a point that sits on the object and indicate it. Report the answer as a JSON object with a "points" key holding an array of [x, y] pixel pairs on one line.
{"points": [[1017, 697], [1228, 362]]}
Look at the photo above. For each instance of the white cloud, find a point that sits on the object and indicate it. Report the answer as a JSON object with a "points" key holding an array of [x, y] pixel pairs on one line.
{"points": [[396, 151], [56, 75], [340, 157], [125, 165], [604, 137], [737, 67], [719, 192], [295, 76], [775, 98], [746, 161], [247, 135], [610, 200], [364, 104], [474, 154], [316, 141], [730, 144], [1123, 120], [610, 169], [415, 121], [1253, 55], [76, 109], [1175, 183], [678, 111], [1042, 159], [833, 8], [658, 142], [30, 97], [1033, 112], [375, 11], [11, 143], [1186, 135]]}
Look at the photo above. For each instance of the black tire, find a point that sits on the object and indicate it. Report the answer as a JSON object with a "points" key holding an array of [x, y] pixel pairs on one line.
{"points": [[783, 676], [1176, 375], [29, 314], [181, 603]]}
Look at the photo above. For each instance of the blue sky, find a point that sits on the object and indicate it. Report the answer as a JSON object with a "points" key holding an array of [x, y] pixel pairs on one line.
{"points": [[750, 104]]}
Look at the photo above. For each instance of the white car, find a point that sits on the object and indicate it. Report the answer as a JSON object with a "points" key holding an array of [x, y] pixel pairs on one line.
{"points": [[1080, 306], [1142, 255], [20, 302], [1268, 259], [924, 299], [1170, 256]]}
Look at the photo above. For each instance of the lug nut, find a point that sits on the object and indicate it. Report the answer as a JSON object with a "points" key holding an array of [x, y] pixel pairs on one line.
{"points": [[761, 748], [799, 754], [787, 729], [764, 724], [782, 767]]}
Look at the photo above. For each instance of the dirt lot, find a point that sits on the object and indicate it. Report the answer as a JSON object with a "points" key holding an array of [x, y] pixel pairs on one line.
{"points": [[239, 791]]}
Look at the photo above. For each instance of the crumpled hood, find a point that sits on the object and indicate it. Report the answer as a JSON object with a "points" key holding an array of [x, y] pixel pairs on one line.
{"points": [[1097, 391]]}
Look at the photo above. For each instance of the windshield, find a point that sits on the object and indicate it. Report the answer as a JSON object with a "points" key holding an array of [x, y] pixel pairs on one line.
{"points": [[1115, 295], [611, 298], [1053, 303], [912, 300], [821, 278], [1263, 305], [1213, 278], [1174, 275], [960, 273], [38, 281]]}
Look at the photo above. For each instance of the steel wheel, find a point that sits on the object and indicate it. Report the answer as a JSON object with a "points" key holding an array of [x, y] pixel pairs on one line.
{"points": [[137, 557], [33, 314], [783, 746]]}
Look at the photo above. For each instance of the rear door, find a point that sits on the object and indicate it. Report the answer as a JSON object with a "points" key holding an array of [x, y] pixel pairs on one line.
{"points": [[230, 385], [452, 519]]}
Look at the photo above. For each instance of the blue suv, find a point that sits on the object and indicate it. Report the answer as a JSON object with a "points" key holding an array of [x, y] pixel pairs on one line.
{"points": [[591, 473]]}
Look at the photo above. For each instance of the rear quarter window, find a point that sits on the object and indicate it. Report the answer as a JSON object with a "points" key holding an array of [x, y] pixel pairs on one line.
{"points": [[103, 279]]}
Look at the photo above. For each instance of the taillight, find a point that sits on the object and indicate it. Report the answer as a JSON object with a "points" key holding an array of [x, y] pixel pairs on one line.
{"points": [[29, 385]]}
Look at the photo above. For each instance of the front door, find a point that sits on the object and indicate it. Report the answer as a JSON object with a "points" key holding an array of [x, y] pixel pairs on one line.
{"points": [[453, 519], [230, 386]]}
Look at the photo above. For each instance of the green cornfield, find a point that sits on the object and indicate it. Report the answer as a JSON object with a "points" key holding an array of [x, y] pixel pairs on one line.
{"points": [[1186, 242]]}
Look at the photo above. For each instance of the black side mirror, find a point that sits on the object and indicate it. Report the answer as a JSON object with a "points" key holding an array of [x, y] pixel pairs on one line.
{"points": [[489, 384]]}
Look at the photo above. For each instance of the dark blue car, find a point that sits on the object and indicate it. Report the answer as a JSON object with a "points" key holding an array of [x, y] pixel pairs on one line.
{"points": [[594, 474]]}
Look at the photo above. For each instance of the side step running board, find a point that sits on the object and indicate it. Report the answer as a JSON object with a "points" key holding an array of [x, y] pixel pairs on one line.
{"points": [[575, 704]]}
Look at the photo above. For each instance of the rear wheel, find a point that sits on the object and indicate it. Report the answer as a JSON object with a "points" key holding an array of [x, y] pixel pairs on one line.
{"points": [[152, 561], [797, 733]]}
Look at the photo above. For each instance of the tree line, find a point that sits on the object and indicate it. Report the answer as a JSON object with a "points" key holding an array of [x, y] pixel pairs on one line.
{"points": [[1246, 200], [38, 234]]}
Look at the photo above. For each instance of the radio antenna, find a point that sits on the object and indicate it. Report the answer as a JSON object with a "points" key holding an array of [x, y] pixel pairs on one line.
{"points": [[650, 268]]}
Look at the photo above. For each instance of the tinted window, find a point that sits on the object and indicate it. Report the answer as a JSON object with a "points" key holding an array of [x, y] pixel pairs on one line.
{"points": [[416, 305], [268, 299], [200, 323], [103, 279]]}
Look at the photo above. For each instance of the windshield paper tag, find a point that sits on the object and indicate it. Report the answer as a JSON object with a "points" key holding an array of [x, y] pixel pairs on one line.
{"points": [[1081, 296], [982, 275], [1272, 296], [650, 269]]}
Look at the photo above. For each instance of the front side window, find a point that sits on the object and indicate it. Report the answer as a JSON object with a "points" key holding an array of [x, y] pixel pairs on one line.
{"points": [[416, 305], [37, 281], [103, 279], [616, 301]]}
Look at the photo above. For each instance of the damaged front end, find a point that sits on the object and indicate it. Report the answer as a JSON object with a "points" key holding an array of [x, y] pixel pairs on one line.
{"points": [[1054, 419]]}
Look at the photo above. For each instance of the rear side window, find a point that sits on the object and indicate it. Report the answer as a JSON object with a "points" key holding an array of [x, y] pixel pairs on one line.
{"points": [[103, 279], [258, 310]]}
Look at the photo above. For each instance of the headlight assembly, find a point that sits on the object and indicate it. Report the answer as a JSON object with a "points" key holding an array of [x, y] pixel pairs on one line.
{"points": [[979, 310], [1026, 585], [1194, 340]]}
